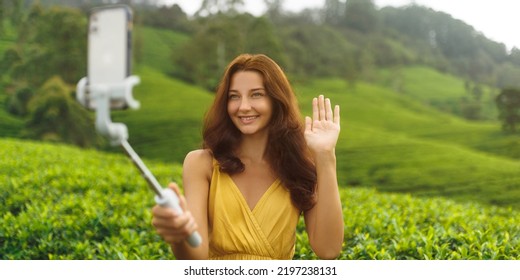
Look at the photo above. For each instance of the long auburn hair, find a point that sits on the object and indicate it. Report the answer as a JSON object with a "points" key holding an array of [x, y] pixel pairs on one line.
{"points": [[286, 150]]}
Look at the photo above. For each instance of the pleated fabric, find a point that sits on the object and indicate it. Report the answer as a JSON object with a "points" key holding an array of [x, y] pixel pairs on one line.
{"points": [[238, 233]]}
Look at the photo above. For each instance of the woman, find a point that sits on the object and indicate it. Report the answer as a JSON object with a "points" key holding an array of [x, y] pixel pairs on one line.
{"points": [[261, 167]]}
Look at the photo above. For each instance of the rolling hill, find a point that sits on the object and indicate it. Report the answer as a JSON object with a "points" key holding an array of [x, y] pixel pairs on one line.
{"points": [[390, 140]]}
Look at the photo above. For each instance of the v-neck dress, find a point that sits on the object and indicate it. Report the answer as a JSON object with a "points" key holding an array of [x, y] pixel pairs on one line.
{"points": [[236, 232]]}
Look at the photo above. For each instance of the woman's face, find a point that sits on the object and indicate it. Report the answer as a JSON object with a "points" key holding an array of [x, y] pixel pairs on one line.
{"points": [[249, 106]]}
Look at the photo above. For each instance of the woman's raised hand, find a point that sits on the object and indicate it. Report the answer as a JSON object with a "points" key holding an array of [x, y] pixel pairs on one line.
{"points": [[322, 131]]}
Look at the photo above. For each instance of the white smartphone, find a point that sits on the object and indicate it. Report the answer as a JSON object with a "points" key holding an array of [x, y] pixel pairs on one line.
{"points": [[109, 48]]}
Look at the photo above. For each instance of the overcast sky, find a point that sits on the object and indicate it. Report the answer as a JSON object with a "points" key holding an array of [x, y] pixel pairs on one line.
{"points": [[497, 19]]}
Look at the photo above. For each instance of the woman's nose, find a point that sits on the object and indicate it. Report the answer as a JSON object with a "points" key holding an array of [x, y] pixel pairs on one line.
{"points": [[245, 105]]}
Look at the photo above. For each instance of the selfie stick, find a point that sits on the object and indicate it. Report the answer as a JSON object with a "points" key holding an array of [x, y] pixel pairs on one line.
{"points": [[99, 97]]}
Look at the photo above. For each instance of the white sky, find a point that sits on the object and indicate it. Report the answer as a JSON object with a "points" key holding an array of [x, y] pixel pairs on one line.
{"points": [[497, 19]]}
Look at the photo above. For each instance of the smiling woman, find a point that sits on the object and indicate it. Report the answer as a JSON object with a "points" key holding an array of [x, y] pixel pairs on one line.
{"points": [[261, 167], [249, 107]]}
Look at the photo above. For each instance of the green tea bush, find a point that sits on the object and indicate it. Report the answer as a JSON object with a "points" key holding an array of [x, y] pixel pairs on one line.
{"points": [[60, 202]]}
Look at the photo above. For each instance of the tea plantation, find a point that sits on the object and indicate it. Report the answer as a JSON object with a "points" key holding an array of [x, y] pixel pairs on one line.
{"points": [[61, 202], [416, 183]]}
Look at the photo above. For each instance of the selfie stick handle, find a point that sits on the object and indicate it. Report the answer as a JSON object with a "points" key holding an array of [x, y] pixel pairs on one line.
{"points": [[102, 94], [171, 200], [164, 197]]}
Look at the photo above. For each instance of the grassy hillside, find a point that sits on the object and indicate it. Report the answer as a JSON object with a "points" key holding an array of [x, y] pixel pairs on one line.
{"points": [[155, 47], [388, 141], [60, 202], [397, 144], [439, 90], [168, 124], [385, 109]]}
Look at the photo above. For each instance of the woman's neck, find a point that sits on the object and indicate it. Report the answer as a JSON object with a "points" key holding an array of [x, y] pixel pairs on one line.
{"points": [[252, 147]]}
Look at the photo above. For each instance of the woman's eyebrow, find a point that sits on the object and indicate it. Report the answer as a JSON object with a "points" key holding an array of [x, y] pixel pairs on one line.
{"points": [[253, 89]]}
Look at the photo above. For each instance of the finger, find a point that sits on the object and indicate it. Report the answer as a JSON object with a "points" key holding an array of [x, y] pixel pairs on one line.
{"points": [[321, 105], [182, 199], [328, 110], [191, 226], [336, 114], [175, 188], [183, 226], [308, 124], [315, 111], [176, 224], [163, 212]]}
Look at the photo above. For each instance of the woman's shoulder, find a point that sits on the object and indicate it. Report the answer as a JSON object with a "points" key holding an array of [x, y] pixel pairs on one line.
{"points": [[199, 161]]}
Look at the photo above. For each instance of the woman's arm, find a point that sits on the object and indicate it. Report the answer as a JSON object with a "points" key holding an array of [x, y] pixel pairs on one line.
{"points": [[324, 222], [174, 228]]}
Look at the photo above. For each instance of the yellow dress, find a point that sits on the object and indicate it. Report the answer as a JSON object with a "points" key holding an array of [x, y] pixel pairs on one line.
{"points": [[238, 233]]}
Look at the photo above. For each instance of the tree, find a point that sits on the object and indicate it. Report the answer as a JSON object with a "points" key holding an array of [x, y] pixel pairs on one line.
{"points": [[222, 37], [51, 42], [2, 14], [508, 103], [319, 51], [211, 7], [171, 17], [514, 56], [18, 102], [261, 38], [274, 9], [361, 15], [205, 55], [333, 12], [507, 76], [55, 116]]}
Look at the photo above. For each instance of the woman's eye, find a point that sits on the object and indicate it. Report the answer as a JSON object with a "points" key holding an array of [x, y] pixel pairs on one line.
{"points": [[234, 96], [257, 94]]}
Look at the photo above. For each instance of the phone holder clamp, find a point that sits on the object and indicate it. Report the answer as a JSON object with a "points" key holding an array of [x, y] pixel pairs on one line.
{"points": [[100, 96]]}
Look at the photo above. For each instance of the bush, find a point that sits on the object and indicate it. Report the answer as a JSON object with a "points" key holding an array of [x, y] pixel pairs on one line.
{"points": [[54, 115], [89, 205]]}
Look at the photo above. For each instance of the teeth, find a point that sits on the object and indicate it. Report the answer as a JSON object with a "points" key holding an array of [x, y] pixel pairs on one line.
{"points": [[248, 118]]}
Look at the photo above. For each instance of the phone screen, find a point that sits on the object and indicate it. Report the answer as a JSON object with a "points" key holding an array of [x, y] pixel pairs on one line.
{"points": [[109, 46]]}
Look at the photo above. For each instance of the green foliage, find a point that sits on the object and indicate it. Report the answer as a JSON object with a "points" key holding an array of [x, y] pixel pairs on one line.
{"points": [[219, 39], [80, 204], [168, 124], [442, 91], [56, 116], [19, 101], [83, 204], [167, 17], [465, 52], [158, 47], [315, 51], [401, 227], [399, 145], [389, 140], [361, 15], [10, 126], [44, 39], [508, 103]]}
